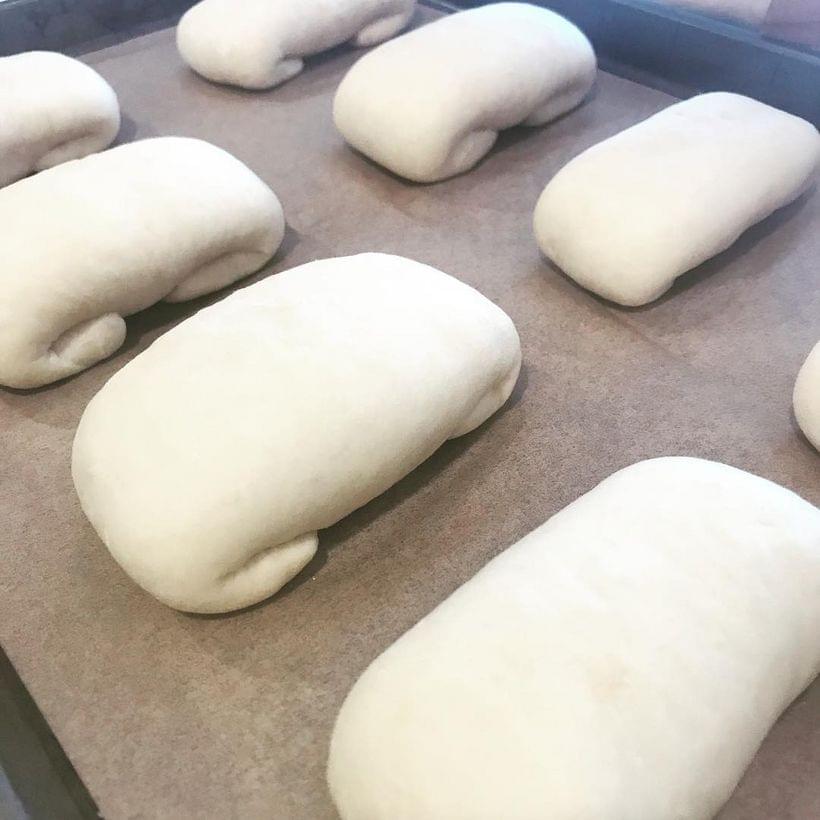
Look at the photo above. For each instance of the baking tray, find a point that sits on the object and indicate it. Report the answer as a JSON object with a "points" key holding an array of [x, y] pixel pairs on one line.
{"points": [[167, 715]]}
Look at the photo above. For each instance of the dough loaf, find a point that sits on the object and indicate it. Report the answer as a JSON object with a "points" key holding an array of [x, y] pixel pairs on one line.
{"points": [[430, 104], [628, 216], [209, 462], [623, 661], [258, 44], [97, 239]]}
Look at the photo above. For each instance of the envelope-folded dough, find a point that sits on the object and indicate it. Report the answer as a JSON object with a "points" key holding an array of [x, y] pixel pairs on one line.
{"points": [[807, 397], [628, 216], [260, 43], [91, 241], [624, 661], [429, 104], [52, 109], [208, 463]]}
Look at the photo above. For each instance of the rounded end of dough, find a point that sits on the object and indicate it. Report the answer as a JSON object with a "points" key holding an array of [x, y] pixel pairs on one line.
{"points": [[90, 124], [194, 41], [572, 253], [499, 392], [417, 143], [806, 397], [184, 576], [180, 550], [230, 48]]}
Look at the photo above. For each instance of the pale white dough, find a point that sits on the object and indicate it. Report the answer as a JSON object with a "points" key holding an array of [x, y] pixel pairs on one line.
{"points": [[52, 109], [628, 216], [807, 397], [624, 661], [260, 43], [744, 11], [93, 240], [430, 104], [209, 462]]}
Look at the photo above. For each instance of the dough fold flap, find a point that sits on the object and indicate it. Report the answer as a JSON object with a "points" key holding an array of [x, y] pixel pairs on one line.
{"points": [[91, 241], [209, 462], [52, 109], [258, 44], [623, 661], [429, 104], [807, 397], [628, 216]]}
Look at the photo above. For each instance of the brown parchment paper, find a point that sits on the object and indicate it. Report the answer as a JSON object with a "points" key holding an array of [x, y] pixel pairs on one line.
{"points": [[167, 715]]}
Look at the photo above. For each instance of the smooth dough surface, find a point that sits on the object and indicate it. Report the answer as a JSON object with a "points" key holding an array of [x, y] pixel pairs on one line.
{"points": [[744, 11], [260, 43], [430, 104], [623, 661], [208, 463], [807, 397], [628, 216], [97, 239], [52, 109]]}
